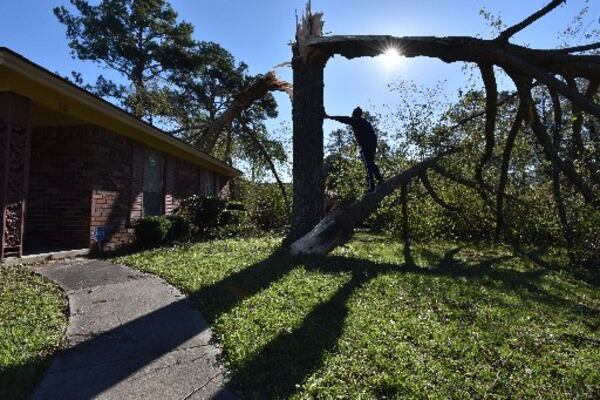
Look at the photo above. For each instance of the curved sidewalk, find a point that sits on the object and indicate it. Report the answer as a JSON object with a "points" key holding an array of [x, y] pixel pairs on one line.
{"points": [[130, 336]]}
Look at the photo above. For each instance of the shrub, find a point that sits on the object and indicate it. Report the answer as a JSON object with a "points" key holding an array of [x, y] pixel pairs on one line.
{"points": [[205, 212], [235, 223], [152, 231], [181, 228], [265, 205], [158, 230]]}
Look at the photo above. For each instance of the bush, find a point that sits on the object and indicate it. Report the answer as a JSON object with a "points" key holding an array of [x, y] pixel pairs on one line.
{"points": [[181, 228], [158, 230], [235, 223], [211, 217], [152, 231], [205, 212], [265, 205]]}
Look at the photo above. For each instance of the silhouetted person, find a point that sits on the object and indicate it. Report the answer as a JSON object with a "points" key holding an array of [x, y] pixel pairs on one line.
{"points": [[367, 141]]}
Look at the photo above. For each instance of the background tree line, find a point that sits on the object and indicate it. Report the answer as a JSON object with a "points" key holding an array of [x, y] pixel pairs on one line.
{"points": [[183, 84]]}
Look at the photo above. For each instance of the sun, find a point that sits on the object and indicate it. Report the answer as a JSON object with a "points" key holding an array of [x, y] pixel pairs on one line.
{"points": [[391, 57]]}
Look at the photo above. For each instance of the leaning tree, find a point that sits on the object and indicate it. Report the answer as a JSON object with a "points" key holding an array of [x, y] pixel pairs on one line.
{"points": [[562, 72]]}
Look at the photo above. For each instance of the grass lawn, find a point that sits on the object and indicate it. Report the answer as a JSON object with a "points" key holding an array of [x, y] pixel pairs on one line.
{"points": [[462, 321], [32, 320]]}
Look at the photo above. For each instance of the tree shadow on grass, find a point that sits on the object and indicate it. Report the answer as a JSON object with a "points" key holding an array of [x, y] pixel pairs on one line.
{"points": [[285, 362], [277, 369], [16, 380]]}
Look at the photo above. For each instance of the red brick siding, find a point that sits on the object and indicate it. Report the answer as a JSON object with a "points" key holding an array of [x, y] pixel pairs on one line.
{"points": [[85, 177], [61, 170], [112, 186]]}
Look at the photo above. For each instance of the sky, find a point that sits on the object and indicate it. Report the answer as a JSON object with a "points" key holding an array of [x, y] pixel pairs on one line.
{"points": [[258, 32]]}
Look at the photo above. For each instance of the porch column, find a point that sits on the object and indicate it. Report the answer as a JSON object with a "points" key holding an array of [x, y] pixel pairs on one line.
{"points": [[15, 142]]}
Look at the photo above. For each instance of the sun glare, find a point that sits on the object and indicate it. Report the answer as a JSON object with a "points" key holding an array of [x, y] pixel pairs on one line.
{"points": [[391, 57]]}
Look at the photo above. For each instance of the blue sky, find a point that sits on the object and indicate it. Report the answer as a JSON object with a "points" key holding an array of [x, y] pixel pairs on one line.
{"points": [[258, 32]]}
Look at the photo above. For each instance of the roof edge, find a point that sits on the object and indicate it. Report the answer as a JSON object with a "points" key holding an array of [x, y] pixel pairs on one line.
{"points": [[24, 66]]}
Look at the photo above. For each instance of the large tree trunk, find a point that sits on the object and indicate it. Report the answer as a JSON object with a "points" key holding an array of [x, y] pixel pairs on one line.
{"points": [[307, 115], [338, 226], [309, 182]]}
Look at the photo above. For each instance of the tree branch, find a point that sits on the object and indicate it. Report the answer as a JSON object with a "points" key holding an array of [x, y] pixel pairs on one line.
{"points": [[556, 190], [491, 112], [551, 154], [269, 161], [338, 226], [577, 49], [506, 154], [242, 101], [433, 194], [508, 33]]}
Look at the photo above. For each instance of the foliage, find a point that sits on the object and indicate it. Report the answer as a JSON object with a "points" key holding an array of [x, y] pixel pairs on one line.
{"points": [[32, 321], [463, 321], [140, 40], [181, 228], [265, 205], [170, 77], [212, 217], [206, 212], [422, 124], [152, 231], [158, 230]]}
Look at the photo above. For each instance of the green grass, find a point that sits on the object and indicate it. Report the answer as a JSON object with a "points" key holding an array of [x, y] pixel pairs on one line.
{"points": [[462, 321], [32, 322]]}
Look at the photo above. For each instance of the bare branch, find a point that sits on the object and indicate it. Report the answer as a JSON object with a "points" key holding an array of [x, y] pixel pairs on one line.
{"points": [[541, 65], [551, 154], [556, 190], [433, 194], [578, 149], [405, 220], [506, 154], [269, 161], [242, 101], [508, 33], [491, 112], [577, 49]]}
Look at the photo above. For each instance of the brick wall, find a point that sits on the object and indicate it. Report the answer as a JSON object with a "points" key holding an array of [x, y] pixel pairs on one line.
{"points": [[61, 168], [86, 177], [115, 192]]}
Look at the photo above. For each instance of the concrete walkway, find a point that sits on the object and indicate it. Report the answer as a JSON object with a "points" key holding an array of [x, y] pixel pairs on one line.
{"points": [[130, 336]]}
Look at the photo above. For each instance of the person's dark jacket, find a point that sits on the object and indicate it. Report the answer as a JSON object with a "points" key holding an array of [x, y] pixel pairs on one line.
{"points": [[363, 131]]}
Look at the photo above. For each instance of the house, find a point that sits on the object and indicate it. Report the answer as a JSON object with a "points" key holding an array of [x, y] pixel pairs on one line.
{"points": [[74, 167]]}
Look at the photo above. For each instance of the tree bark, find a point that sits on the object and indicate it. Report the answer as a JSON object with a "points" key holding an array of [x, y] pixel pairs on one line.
{"points": [[308, 171], [308, 201]]}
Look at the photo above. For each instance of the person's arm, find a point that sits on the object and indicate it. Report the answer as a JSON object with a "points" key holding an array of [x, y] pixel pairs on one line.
{"points": [[342, 119]]}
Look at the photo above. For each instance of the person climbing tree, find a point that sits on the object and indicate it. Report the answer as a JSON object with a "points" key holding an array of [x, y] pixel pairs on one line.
{"points": [[367, 140]]}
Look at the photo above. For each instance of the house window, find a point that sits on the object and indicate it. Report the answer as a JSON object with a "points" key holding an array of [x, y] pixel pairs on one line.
{"points": [[153, 182]]}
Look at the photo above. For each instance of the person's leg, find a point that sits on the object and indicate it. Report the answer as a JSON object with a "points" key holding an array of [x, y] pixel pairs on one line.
{"points": [[377, 173], [368, 159]]}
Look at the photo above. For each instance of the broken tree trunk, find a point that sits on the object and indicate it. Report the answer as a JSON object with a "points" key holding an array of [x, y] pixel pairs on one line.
{"points": [[307, 116], [241, 102], [338, 226]]}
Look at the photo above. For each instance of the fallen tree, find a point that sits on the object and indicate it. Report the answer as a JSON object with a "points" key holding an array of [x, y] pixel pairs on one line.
{"points": [[337, 227], [553, 70], [242, 101]]}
